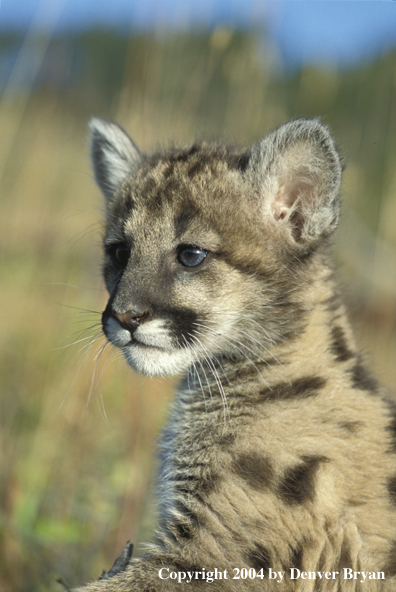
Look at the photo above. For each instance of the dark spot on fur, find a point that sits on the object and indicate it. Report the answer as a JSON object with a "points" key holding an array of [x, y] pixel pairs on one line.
{"points": [[362, 379], [120, 209], [298, 483], [339, 346], [255, 469], [243, 161], [196, 485], [184, 219], [351, 426], [227, 440], [296, 558], [237, 160], [196, 168], [333, 303], [390, 568], [392, 489], [183, 155], [194, 481], [186, 512], [182, 530], [258, 557], [157, 201], [355, 502], [202, 161], [149, 185], [169, 170], [185, 525], [246, 266], [302, 388], [250, 371]]}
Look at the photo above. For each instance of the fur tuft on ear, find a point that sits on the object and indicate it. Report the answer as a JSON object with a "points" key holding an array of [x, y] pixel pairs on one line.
{"points": [[296, 171], [114, 155]]}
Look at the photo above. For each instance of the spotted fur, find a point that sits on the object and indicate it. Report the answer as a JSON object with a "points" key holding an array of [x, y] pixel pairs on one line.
{"points": [[280, 450]]}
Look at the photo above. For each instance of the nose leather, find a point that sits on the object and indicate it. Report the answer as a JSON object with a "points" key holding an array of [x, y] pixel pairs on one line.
{"points": [[131, 319]]}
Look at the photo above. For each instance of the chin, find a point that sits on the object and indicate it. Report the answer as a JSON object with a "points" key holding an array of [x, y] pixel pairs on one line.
{"points": [[152, 361]]}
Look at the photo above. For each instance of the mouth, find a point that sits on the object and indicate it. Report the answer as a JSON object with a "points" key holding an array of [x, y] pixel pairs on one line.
{"points": [[145, 346]]}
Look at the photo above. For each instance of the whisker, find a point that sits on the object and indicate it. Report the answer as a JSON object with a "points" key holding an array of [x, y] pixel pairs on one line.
{"points": [[97, 357], [234, 344], [197, 373], [87, 348], [77, 340]]}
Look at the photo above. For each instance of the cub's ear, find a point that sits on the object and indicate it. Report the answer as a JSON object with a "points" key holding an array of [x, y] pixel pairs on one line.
{"points": [[296, 172], [114, 155]]}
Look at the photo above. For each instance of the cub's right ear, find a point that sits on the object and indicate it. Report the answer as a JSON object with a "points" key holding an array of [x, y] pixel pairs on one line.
{"points": [[114, 155]]}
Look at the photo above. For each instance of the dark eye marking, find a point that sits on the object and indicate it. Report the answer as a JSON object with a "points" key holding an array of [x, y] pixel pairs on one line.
{"points": [[119, 253], [190, 256]]}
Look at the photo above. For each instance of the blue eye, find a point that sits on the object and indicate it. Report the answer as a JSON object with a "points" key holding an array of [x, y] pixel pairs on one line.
{"points": [[191, 256]]}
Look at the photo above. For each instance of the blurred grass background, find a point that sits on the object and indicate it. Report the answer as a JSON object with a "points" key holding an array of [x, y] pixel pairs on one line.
{"points": [[78, 428]]}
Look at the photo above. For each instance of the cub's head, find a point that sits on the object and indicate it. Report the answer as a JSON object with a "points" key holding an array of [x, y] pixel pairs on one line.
{"points": [[208, 247]]}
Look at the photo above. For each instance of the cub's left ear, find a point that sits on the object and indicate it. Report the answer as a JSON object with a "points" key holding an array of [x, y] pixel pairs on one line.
{"points": [[114, 155], [296, 172]]}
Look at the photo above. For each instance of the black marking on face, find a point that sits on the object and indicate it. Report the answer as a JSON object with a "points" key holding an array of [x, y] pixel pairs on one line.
{"points": [[298, 483], [258, 557], [254, 469], [339, 345], [362, 379], [301, 388], [183, 323], [392, 489]]}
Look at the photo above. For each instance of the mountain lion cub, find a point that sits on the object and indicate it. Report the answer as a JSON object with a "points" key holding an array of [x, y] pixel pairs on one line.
{"points": [[278, 466]]}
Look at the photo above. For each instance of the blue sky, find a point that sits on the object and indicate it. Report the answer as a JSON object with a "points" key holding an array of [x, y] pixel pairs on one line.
{"points": [[336, 31]]}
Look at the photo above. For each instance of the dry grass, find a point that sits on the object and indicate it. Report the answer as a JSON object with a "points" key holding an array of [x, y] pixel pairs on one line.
{"points": [[78, 428]]}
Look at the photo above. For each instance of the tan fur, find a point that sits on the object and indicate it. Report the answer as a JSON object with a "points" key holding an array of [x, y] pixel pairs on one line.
{"points": [[281, 449]]}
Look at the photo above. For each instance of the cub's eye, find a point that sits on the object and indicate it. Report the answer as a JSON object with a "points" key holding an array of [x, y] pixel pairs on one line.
{"points": [[119, 254], [191, 256]]}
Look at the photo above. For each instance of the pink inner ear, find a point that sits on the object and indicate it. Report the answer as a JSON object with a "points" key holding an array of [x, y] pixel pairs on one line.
{"points": [[284, 205], [284, 200], [279, 210]]}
